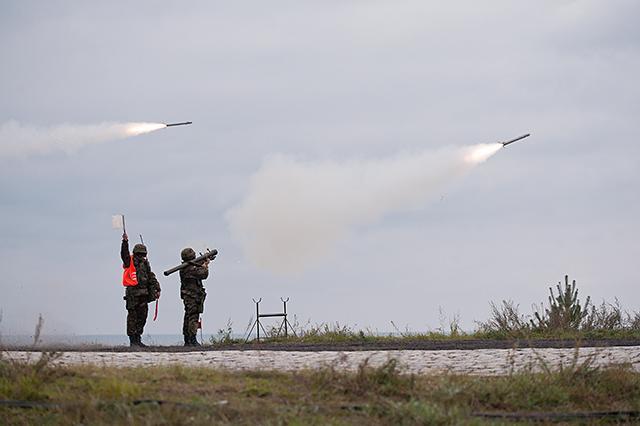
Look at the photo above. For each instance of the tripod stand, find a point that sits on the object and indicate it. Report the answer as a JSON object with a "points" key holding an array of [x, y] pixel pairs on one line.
{"points": [[258, 324]]}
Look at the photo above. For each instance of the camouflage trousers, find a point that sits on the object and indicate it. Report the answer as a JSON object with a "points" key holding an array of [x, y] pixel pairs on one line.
{"points": [[137, 311], [193, 307]]}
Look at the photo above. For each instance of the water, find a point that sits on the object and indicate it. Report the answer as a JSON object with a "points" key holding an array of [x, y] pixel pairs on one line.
{"points": [[119, 339], [101, 339]]}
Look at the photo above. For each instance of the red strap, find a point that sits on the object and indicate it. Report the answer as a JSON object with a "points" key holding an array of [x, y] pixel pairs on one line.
{"points": [[155, 316]]}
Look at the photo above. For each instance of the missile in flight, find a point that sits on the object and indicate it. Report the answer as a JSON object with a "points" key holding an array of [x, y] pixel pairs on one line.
{"points": [[516, 139], [184, 123]]}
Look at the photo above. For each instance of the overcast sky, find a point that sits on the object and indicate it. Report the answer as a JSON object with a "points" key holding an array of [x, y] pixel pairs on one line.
{"points": [[321, 81]]}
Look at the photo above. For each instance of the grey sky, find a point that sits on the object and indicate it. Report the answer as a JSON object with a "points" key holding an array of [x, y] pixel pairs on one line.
{"points": [[330, 80]]}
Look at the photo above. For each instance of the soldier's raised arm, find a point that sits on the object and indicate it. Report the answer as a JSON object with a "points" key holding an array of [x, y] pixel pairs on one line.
{"points": [[124, 251], [199, 272]]}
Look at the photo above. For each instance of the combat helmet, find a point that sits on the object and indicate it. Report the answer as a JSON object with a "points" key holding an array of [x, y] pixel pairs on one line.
{"points": [[140, 249], [187, 254]]}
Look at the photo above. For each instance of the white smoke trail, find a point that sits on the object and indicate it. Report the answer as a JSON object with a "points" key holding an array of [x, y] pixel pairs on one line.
{"points": [[296, 211], [17, 140]]}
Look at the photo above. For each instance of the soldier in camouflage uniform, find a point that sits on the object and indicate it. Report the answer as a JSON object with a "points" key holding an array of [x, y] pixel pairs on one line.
{"points": [[193, 294], [138, 296]]}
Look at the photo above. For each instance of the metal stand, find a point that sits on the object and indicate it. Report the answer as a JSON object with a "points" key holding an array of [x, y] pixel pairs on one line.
{"points": [[258, 325]]}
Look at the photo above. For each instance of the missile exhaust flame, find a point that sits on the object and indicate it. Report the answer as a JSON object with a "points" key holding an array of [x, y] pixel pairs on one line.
{"points": [[480, 153], [135, 129]]}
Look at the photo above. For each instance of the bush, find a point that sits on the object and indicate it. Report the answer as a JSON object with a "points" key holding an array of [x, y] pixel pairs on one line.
{"points": [[505, 321], [565, 315], [564, 312]]}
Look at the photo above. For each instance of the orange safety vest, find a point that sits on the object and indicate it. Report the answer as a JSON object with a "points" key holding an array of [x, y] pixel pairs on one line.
{"points": [[129, 276]]}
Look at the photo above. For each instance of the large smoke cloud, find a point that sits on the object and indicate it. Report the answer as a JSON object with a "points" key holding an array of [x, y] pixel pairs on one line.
{"points": [[296, 211]]}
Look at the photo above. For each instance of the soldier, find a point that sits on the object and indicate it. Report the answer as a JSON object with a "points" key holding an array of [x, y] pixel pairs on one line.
{"points": [[193, 294], [142, 288]]}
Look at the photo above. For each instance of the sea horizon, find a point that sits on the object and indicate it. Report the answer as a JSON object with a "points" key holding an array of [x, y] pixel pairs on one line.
{"points": [[101, 339]]}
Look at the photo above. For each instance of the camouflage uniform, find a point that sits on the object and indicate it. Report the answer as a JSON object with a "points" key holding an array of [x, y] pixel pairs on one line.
{"points": [[138, 296], [193, 294]]}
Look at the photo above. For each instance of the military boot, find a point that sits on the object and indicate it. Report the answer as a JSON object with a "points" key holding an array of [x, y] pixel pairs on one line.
{"points": [[132, 341], [139, 341], [194, 341], [187, 340]]}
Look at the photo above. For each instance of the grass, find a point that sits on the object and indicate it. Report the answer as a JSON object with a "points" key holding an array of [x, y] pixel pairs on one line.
{"points": [[336, 333], [381, 395], [178, 395], [564, 316]]}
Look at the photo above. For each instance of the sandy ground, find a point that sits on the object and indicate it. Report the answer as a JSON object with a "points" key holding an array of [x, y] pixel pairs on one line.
{"points": [[477, 361]]}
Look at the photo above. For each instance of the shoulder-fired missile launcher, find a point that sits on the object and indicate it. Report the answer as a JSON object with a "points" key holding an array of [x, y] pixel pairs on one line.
{"points": [[209, 255]]}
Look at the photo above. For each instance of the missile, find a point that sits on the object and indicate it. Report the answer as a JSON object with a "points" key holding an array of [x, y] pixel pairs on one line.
{"points": [[516, 139], [184, 123]]}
